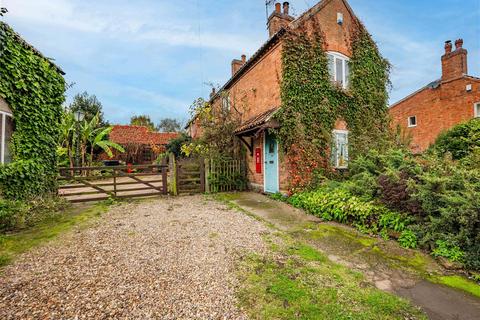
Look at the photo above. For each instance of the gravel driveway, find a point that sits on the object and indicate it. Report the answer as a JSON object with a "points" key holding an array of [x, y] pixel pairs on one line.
{"points": [[170, 258]]}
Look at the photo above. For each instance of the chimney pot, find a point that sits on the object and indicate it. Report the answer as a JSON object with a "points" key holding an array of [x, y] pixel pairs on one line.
{"points": [[458, 44], [244, 58], [286, 7], [278, 7], [448, 46]]}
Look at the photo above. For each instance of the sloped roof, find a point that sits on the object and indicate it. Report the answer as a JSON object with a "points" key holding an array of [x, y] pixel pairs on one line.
{"points": [[27, 45], [125, 134], [257, 120]]}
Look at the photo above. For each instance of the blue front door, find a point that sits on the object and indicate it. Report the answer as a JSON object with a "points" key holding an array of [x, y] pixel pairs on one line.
{"points": [[271, 164]]}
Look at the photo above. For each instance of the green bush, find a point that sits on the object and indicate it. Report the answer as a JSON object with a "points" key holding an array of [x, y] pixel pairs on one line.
{"points": [[16, 214], [341, 206], [459, 141], [408, 239], [449, 251]]}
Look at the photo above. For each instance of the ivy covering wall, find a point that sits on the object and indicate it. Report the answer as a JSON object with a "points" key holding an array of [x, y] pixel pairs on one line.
{"points": [[34, 89], [312, 103]]}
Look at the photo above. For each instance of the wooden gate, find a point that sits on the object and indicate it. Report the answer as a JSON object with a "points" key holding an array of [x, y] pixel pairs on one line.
{"points": [[190, 176], [82, 184]]}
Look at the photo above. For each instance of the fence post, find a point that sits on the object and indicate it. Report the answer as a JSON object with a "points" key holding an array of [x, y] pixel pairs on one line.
{"points": [[173, 174], [115, 182], [207, 175], [202, 175], [164, 176]]}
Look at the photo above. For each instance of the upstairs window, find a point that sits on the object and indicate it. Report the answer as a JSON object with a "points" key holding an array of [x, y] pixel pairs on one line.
{"points": [[339, 68], [226, 105], [477, 110], [340, 149], [412, 121]]}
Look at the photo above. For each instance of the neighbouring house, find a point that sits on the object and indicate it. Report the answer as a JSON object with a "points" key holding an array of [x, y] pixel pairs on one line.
{"points": [[141, 145], [442, 104], [257, 83]]}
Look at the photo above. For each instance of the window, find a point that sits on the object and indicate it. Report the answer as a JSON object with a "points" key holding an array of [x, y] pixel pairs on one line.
{"points": [[6, 131], [226, 103], [412, 121], [340, 149], [477, 110], [339, 68], [147, 154]]}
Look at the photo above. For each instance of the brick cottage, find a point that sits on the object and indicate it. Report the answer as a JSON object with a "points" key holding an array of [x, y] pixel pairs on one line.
{"points": [[442, 104], [256, 83]]}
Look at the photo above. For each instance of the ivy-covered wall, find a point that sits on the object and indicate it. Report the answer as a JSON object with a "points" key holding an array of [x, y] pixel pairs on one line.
{"points": [[312, 104], [34, 88]]}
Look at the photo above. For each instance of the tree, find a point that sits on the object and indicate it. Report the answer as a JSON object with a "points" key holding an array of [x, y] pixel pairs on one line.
{"points": [[169, 125], [143, 120], [90, 106]]}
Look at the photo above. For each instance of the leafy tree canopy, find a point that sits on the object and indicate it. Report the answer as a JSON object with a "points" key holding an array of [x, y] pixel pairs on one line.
{"points": [[143, 120], [90, 106], [169, 125]]}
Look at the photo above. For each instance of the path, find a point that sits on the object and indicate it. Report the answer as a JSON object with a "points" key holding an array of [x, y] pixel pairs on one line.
{"points": [[384, 263], [170, 258]]}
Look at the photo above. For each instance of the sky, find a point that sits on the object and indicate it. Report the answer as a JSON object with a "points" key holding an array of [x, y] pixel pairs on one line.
{"points": [[155, 57]]}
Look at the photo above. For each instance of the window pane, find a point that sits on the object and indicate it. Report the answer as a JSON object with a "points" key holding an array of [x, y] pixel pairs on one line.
{"points": [[8, 138], [347, 73], [339, 70], [330, 67]]}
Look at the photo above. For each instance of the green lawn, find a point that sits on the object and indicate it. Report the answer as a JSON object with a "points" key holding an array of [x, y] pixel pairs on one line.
{"points": [[296, 281], [14, 244]]}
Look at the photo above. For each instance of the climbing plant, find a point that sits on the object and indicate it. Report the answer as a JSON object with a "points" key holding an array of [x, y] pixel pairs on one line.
{"points": [[34, 89], [312, 103]]}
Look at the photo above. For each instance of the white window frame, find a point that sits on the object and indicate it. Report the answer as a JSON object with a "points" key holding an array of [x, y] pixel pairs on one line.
{"points": [[3, 145], [410, 125], [334, 156], [226, 103], [476, 109], [345, 79]]}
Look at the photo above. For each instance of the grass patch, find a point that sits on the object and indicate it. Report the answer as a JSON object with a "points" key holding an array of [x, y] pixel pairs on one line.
{"points": [[11, 245], [299, 282], [458, 282]]}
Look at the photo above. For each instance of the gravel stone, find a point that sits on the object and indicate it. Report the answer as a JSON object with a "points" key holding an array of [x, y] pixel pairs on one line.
{"points": [[170, 258]]}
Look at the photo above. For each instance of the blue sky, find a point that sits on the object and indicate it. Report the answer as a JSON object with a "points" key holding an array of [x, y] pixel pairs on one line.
{"points": [[155, 56]]}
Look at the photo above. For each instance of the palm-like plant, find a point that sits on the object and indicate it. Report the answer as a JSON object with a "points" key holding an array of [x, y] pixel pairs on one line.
{"points": [[99, 138], [67, 136]]}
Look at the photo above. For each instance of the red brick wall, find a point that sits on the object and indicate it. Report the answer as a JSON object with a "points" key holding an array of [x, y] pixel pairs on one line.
{"points": [[436, 110]]}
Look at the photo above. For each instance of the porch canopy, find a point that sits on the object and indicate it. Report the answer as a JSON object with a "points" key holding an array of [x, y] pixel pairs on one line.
{"points": [[253, 127]]}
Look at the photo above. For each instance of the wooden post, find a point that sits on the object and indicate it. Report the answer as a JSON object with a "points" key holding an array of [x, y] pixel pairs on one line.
{"points": [[207, 175], [202, 175], [115, 182]]}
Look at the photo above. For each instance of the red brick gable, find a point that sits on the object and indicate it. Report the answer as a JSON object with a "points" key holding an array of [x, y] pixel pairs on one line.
{"points": [[124, 134]]}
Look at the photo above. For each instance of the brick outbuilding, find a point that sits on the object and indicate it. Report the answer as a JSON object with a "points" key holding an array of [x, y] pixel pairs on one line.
{"points": [[442, 104]]}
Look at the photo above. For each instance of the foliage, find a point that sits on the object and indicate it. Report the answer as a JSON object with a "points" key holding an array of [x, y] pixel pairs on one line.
{"points": [[408, 239], [34, 89], [169, 125], [218, 124], [449, 251], [90, 106], [435, 197], [91, 136], [460, 141], [312, 104], [175, 145], [220, 180], [16, 214], [339, 205], [143, 121]]}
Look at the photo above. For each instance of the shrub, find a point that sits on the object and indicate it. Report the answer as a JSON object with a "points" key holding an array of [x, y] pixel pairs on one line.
{"points": [[460, 141], [16, 214], [448, 250], [408, 239]]}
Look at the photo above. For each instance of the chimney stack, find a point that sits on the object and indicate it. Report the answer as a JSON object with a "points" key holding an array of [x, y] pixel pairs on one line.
{"points": [[286, 7], [454, 63], [279, 19], [212, 94], [237, 64]]}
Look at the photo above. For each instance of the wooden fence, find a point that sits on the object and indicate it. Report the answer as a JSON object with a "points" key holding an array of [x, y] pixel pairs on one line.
{"points": [[225, 175], [82, 184]]}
